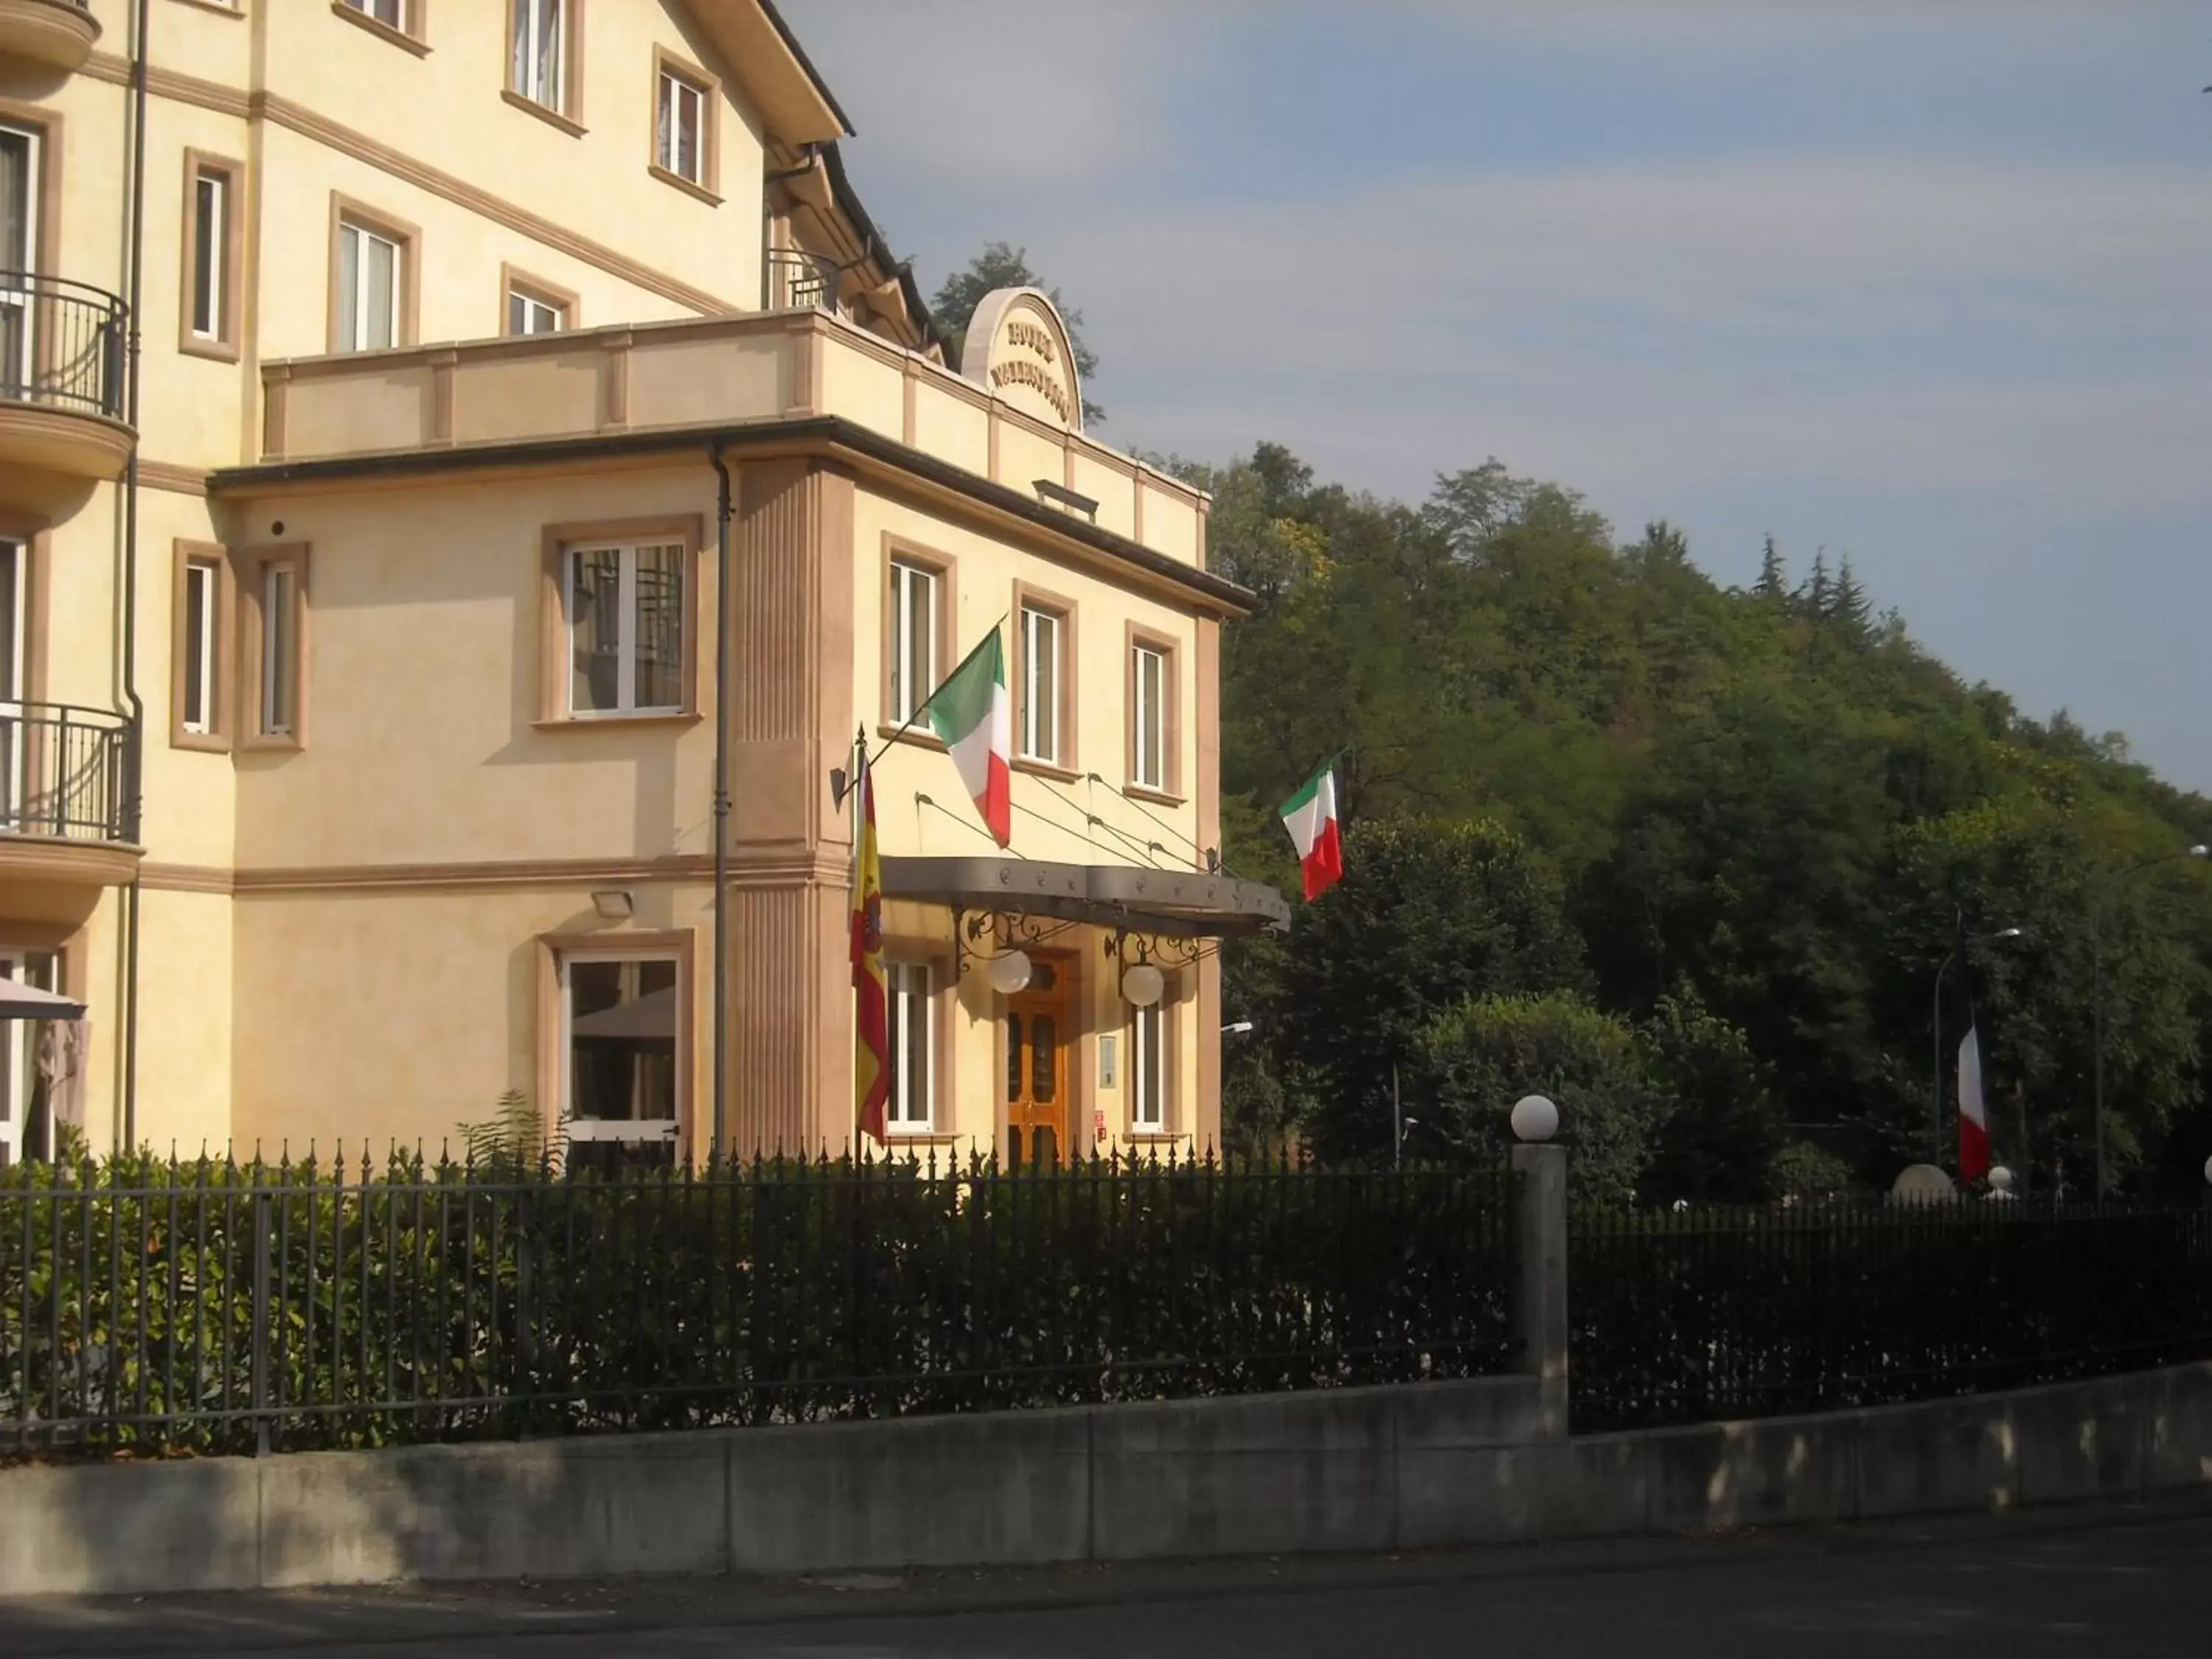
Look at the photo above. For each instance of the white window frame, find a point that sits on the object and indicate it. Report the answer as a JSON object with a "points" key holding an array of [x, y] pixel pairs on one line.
{"points": [[1149, 1081], [639, 1131], [392, 14], [626, 706], [14, 745], [526, 18], [533, 309], [16, 374], [914, 637], [19, 1060], [356, 300], [1148, 749], [1044, 646], [674, 89], [281, 670], [912, 987], [210, 250], [204, 577]]}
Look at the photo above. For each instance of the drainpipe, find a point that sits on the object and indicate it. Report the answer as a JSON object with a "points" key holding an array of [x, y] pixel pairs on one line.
{"points": [[134, 803], [721, 790]]}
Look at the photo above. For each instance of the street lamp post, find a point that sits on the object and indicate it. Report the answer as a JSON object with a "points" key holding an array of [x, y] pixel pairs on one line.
{"points": [[2099, 903], [1936, 1124]]}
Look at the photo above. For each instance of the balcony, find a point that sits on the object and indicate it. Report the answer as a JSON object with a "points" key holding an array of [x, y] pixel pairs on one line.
{"points": [[796, 280], [60, 33], [62, 423], [69, 797]]}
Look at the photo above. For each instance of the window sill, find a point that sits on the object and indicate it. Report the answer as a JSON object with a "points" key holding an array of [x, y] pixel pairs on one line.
{"points": [[615, 722], [552, 118], [216, 351], [920, 736], [683, 183], [269, 746], [221, 8], [383, 31], [1057, 773], [204, 743], [1157, 797]]}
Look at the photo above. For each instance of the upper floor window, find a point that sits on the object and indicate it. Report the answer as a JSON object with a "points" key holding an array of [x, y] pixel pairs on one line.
{"points": [[372, 280], [1150, 726], [624, 606], [275, 586], [683, 126], [1045, 706], [200, 648], [196, 710], [212, 287], [539, 60], [392, 14], [535, 307], [914, 670]]}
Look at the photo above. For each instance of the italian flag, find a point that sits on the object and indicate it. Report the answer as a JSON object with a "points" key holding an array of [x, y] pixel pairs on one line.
{"points": [[973, 716], [1310, 817]]}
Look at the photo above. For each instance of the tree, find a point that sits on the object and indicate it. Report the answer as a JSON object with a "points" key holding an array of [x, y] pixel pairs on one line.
{"points": [[1001, 264], [1849, 609], [1482, 1055], [1773, 584], [1721, 1133]]}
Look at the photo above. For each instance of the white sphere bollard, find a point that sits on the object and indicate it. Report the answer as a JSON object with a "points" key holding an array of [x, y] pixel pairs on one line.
{"points": [[2208, 1171], [2001, 1179], [1534, 1119]]}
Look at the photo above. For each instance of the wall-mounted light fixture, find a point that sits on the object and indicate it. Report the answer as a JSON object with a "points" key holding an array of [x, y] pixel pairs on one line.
{"points": [[614, 904]]}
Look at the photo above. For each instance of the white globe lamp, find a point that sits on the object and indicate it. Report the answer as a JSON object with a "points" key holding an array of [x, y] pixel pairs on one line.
{"points": [[1534, 1119], [1010, 973], [1143, 986]]}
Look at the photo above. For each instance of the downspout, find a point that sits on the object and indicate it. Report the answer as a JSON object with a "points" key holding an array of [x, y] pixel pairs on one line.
{"points": [[134, 773], [722, 612]]}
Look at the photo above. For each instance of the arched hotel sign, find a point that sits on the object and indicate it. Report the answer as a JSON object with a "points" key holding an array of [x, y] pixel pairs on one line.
{"points": [[1017, 346]]}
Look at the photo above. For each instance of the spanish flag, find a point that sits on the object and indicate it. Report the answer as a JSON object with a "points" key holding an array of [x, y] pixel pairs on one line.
{"points": [[872, 1049]]}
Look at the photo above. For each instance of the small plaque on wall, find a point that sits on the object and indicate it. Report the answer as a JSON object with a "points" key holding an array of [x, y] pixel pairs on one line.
{"points": [[1110, 1048]]}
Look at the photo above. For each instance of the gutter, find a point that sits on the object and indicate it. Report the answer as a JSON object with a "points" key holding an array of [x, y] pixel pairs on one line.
{"points": [[134, 792], [828, 431]]}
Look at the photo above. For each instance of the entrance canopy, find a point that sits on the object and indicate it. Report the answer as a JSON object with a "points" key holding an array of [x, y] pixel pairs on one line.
{"points": [[21, 1002], [1176, 903]]}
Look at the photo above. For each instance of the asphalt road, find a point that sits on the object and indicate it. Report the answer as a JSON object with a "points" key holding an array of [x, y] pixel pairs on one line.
{"points": [[2120, 1580]]}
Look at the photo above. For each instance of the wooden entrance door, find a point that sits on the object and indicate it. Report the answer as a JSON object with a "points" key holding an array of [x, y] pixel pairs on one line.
{"points": [[1038, 1037]]}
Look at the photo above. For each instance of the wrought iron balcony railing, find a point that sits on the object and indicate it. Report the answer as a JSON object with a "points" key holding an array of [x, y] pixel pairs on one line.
{"points": [[68, 773], [798, 281], [61, 344]]}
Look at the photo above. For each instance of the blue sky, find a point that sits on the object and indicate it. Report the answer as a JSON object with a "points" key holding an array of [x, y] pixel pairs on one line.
{"points": [[1930, 283]]}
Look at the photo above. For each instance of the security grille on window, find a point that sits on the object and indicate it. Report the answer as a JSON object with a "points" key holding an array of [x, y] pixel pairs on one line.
{"points": [[210, 232], [914, 1049], [198, 714], [623, 1017], [680, 135], [1150, 740], [539, 46], [624, 607], [369, 276], [913, 638], [1148, 1071], [1040, 686]]}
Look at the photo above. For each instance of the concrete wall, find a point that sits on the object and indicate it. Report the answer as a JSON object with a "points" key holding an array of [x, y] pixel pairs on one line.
{"points": [[1353, 1469]]}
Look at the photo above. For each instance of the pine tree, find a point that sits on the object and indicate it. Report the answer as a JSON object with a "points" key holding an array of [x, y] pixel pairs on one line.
{"points": [[1813, 598], [1773, 583], [1849, 608]]}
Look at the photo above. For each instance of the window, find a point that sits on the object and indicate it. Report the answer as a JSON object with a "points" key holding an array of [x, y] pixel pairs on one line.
{"points": [[915, 670], [1148, 1070], [539, 59], [682, 131], [31, 1084], [210, 213], [280, 651], [625, 609], [621, 1017], [913, 1049], [371, 269], [1149, 691], [20, 169], [208, 315], [528, 314], [197, 706], [392, 14], [1044, 687], [14, 753]]}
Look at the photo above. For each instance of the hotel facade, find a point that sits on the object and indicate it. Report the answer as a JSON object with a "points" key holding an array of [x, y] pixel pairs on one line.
{"points": [[468, 472]]}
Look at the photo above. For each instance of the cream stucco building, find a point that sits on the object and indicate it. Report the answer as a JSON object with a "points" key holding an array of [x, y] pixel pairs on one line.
{"points": [[527, 426]]}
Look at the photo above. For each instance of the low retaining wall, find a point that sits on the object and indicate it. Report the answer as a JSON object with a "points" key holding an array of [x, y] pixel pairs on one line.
{"points": [[1353, 1469]]}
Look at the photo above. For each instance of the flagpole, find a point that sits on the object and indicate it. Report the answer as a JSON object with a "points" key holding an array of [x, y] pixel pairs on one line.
{"points": [[922, 707]]}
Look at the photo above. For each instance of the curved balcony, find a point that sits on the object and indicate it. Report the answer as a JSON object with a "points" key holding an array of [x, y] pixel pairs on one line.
{"points": [[69, 796], [61, 419], [57, 33]]}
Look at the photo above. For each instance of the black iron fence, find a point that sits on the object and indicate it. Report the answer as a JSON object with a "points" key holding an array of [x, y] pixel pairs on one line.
{"points": [[1685, 1317], [798, 281], [68, 772], [216, 1309], [61, 343]]}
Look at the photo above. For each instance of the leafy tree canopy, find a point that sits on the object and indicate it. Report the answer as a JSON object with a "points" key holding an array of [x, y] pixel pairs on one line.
{"points": [[1001, 264]]}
